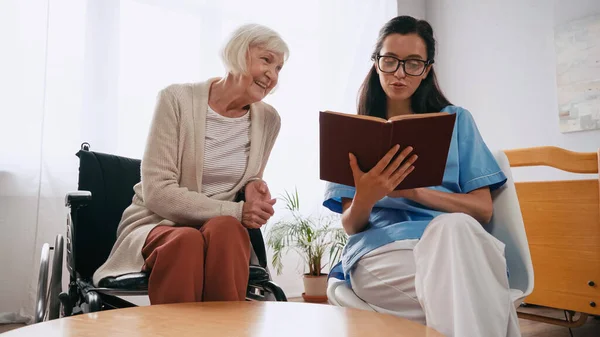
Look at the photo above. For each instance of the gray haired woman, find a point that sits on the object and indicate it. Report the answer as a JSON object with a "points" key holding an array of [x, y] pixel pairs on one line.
{"points": [[208, 142]]}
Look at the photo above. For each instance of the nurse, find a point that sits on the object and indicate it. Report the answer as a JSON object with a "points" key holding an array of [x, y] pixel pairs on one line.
{"points": [[423, 254]]}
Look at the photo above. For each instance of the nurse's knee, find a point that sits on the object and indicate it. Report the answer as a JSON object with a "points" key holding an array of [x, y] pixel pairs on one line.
{"points": [[455, 222]]}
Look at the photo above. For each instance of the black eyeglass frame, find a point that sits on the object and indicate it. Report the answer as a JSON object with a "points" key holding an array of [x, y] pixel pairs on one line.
{"points": [[403, 63]]}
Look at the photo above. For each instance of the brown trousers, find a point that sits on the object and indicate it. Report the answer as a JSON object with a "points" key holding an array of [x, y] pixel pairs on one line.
{"points": [[193, 265]]}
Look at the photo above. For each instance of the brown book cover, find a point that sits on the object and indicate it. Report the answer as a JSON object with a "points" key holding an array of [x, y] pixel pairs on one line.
{"points": [[370, 138]]}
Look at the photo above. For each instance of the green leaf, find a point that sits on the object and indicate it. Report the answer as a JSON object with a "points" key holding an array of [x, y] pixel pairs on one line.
{"points": [[310, 238]]}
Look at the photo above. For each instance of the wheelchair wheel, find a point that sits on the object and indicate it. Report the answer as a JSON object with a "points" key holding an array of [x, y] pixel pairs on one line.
{"points": [[47, 304], [56, 278], [40, 302]]}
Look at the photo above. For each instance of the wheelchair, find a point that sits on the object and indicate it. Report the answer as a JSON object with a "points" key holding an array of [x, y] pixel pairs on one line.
{"points": [[105, 189]]}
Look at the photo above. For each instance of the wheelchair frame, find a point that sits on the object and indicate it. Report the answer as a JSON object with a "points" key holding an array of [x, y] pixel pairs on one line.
{"points": [[82, 296]]}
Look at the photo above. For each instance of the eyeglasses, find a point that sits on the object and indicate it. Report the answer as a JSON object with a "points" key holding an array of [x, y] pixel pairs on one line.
{"points": [[412, 67]]}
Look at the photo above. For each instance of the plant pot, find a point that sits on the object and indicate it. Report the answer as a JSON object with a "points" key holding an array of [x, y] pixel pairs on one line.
{"points": [[315, 288]]}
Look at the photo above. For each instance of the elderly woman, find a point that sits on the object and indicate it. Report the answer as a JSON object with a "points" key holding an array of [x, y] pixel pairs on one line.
{"points": [[208, 143]]}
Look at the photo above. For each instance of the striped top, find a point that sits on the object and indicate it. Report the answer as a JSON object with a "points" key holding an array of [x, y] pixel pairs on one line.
{"points": [[226, 148]]}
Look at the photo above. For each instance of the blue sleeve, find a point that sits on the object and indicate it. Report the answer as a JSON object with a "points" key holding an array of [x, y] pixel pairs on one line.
{"points": [[334, 194], [336, 272], [477, 165]]}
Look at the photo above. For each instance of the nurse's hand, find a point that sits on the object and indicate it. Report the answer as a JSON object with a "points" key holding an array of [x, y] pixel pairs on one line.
{"points": [[382, 179]]}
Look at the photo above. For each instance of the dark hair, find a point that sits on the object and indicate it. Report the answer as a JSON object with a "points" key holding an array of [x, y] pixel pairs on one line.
{"points": [[428, 97]]}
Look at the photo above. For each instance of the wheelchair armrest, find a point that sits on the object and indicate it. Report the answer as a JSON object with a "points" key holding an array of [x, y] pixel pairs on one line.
{"points": [[258, 275], [78, 198], [131, 281], [240, 196]]}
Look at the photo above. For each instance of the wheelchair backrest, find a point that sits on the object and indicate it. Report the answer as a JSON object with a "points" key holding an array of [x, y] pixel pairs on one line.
{"points": [[110, 179]]}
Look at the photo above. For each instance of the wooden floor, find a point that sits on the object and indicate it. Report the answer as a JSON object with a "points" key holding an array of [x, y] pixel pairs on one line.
{"points": [[8, 327], [536, 329], [528, 328]]}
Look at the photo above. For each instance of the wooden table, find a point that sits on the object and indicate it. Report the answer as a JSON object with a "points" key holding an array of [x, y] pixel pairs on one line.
{"points": [[229, 319]]}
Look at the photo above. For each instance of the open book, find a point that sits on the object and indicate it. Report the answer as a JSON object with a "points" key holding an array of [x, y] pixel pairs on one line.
{"points": [[370, 138]]}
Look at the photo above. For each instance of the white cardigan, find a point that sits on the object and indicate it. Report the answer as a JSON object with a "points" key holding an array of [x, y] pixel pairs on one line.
{"points": [[171, 171]]}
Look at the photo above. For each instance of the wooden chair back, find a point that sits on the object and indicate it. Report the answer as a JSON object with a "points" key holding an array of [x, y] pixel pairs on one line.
{"points": [[562, 221]]}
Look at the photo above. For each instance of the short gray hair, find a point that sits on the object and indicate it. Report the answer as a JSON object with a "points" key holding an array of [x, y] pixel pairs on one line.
{"points": [[250, 35]]}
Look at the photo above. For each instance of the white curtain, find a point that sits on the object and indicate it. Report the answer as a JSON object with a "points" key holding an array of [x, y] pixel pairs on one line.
{"points": [[74, 71]]}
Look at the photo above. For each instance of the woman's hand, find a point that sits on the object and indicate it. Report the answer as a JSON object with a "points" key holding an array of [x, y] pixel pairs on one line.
{"points": [[258, 207], [256, 213], [382, 179], [257, 190]]}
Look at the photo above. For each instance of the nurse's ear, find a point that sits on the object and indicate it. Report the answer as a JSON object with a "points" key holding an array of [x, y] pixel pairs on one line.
{"points": [[427, 69]]}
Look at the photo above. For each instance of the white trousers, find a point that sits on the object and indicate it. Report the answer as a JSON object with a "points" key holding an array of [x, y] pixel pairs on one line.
{"points": [[453, 279]]}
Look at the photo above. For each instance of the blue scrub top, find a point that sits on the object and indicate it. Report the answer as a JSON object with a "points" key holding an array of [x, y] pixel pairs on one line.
{"points": [[470, 165]]}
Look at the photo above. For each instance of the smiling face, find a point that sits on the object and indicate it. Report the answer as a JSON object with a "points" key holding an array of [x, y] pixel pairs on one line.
{"points": [[264, 67], [411, 50]]}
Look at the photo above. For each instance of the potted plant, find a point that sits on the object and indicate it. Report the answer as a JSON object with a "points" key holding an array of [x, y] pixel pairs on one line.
{"points": [[311, 238]]}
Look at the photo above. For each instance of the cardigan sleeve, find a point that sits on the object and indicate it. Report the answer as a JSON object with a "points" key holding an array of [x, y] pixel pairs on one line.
{"points": [[160, 172], [272, 127]]}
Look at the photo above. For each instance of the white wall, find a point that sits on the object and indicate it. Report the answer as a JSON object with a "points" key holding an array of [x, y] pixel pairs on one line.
{"points": [[415, 8], [497, 59], [567, 10]]}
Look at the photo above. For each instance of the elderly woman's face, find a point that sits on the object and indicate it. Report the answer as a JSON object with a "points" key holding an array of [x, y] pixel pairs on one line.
{"points": [[264, 66]]}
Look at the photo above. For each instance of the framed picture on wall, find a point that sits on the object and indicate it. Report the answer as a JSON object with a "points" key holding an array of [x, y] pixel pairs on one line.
{"points": [[577, 45]]}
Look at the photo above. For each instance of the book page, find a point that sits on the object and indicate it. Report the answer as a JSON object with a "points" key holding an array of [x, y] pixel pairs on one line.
{"points": [[371, 118], [412, 116], [395, 118]]}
